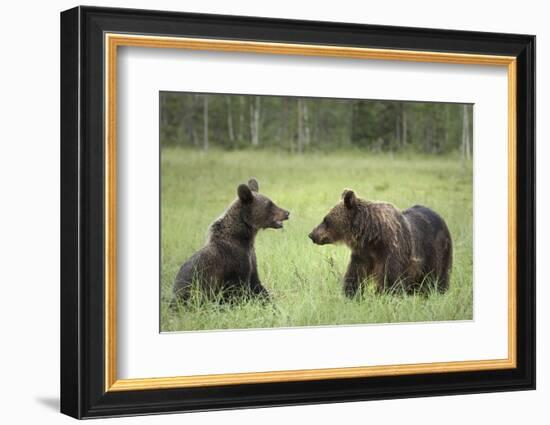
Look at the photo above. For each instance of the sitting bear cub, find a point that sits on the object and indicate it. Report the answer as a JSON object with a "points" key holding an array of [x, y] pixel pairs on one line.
{"points": [[411, 249], [226, 265]]}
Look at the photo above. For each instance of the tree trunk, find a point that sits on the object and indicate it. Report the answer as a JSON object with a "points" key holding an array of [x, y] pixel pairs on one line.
{"points": [[189, 107], [466, 150], [255, 121], [230, 120], [286, 124], [398, 139], [281, 127], [192, 116], [241, 118], [429, 137], [403, 125], [205, 120], [447, 124], [350, 121], [300, 127], [183, 125], [164, 109], [305, 115], [251, 121]]}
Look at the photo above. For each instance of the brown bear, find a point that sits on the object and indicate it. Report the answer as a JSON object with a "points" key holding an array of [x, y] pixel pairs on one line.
{"points": [[225, 268], [410, 249]]}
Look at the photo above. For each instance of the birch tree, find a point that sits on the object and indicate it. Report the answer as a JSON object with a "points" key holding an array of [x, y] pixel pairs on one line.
{"points": [[205, 123], [230, 131], [255, 121], [403, 124], [297, 124], [300, 127], [466, 150]]}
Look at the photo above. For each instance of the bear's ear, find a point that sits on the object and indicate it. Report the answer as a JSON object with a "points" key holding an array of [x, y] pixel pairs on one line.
{"points": [[350, 200], [245, 194], [253, 185]]}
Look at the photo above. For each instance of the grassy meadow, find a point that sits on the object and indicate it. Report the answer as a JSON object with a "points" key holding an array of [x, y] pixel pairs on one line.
{"points": [[305, 279]]}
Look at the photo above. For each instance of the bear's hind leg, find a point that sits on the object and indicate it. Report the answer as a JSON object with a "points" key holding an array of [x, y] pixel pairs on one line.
{"points": [[443, 283], [180, 296], [445, 262]]}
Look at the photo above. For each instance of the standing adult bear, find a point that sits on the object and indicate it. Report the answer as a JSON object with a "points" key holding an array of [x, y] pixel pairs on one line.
{"points": [[411, 249], [225, 267]]}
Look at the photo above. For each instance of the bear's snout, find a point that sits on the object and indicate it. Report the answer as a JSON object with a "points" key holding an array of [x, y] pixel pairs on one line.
{"points": [[282, 215], [320, 236], [316, 238]]}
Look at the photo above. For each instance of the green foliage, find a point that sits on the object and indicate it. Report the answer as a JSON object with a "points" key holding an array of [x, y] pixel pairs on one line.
{"points": [[305, 279], [295, 124]]}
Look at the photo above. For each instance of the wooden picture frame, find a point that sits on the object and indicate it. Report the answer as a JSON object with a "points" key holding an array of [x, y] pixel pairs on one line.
{"points": [[90, 38]]}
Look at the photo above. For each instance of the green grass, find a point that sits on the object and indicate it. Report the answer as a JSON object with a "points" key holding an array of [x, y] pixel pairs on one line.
{"points": [[305, 279]]}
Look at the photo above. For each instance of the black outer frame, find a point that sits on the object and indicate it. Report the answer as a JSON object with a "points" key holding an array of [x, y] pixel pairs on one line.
{"points": [[82, 216]]}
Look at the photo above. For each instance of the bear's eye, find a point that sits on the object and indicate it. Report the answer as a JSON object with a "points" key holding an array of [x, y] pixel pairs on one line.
{"points": [[270, 204], [326, 221]]}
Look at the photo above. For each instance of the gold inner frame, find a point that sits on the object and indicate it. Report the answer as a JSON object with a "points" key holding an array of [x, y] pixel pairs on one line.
{"points": [[113, 41]]}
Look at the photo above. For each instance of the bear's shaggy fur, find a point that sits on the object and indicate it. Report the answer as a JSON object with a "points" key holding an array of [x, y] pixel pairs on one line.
{"points": [[225, 267], [410, 249]]}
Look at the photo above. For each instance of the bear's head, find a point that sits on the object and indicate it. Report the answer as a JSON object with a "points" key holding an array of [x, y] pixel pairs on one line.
{"points": [[337, 224], [258, 211]]}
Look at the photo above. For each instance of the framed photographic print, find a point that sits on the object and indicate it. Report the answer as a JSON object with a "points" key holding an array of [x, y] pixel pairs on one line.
{"points": [[261, 212]]}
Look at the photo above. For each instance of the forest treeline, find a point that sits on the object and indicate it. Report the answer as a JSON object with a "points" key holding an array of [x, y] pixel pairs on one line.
{"points": [[299, 124]]}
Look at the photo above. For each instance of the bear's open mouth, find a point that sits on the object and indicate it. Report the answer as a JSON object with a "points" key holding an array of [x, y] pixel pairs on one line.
{"points": [[278, 224]]}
